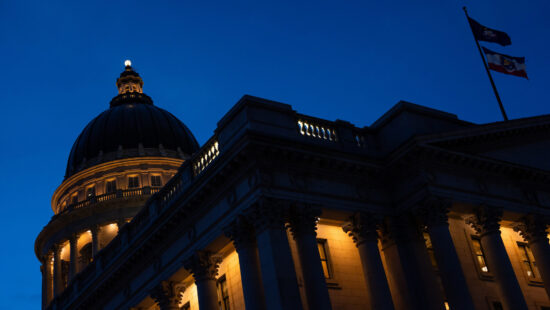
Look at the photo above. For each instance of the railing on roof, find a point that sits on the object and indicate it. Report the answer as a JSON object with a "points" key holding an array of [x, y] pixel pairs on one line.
{"points": [[132, 192], [317, 128], [205, 156]]}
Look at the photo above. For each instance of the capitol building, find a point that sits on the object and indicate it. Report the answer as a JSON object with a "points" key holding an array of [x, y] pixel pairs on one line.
{"points": [[284, 211]]}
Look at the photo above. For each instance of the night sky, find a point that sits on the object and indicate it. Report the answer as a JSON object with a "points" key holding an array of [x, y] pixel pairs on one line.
{"points": [[350, 60]]}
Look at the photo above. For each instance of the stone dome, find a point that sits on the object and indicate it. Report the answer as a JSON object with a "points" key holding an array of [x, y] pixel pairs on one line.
{"points": [[131, 127]]}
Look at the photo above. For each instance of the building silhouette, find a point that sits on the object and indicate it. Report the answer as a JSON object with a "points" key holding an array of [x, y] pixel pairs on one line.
{"points": [[279, 210]]}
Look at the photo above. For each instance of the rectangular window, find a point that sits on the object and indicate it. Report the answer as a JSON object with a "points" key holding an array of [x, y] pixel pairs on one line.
{"points": [[480, 255], [155, 181], [528, 261], [74, 198], [133, 182], [110, 186], [323, 253], [430, 249], [90, 192], [223, 293]]}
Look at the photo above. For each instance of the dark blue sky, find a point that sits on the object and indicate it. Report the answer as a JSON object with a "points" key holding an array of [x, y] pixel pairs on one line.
{"points": [[348, 60]]}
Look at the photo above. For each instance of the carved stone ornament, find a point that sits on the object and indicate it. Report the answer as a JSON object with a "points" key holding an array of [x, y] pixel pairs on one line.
{"points": [[303, 219], [167, 294], [267, 213], [533, 228], [362, 227], [485, 220], [203, 265], [433, 211], [241, 232]]}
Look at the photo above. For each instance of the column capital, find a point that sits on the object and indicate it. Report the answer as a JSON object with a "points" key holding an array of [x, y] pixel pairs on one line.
{"points": [[486, 219], [267, 213], [402, 228], [94, 229], [203, 265], [533, 228], [303, 219], [241, 232], [362, 227], [167, 294], [433, 211]]}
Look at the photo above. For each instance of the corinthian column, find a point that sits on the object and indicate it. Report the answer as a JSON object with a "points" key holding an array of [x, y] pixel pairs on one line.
{"points": [[167, 295], [278, 272], [486, 223], [47, 279], [73, 267], [533, 230], [243, 236], [409, 265], [204, 267], [303, 225], [57, 271], [433, 213], [95, 239], [362, 228]]}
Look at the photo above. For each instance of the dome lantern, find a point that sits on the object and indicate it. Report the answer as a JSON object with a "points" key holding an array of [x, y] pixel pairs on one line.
{"points": [[129, 80]]}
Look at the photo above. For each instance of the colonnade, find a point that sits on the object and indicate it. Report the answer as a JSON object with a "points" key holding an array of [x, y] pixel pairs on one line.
{"points": [[269, 279], [52, 269]]}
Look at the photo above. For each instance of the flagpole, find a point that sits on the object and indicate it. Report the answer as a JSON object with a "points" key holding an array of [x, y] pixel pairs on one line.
{"points": [[487, 69]]}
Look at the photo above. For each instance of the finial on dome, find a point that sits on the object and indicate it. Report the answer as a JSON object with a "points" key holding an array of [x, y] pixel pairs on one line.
{"points": [[127, 63]]}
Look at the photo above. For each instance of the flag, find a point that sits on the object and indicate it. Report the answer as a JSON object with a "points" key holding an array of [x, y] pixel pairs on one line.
{"points": [[482, 33], [505, 64]]}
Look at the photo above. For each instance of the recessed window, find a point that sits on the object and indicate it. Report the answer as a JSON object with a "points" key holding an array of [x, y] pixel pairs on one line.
{"points": [[133, 182], [323, 253], [528, 261], [90, 192], [430, 249], [74, 198], [155, 181], [223, 293], [480, 255], [110, 186]]}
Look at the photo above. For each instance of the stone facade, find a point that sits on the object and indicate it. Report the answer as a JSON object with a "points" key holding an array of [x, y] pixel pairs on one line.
{"points": [[280, 210]]}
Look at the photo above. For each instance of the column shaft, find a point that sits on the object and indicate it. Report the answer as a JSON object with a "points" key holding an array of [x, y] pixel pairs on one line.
{"points": [[486, 221], [278, 272], [207, 294], [95, 241], [312, 270], [249, 261], [452, 276], [375, 276], [48, 279], [204, 267], [410, 266], [533, 229], [541, 253], [303, 225], [499, 262], [73, 269], [57, 272], [363, 229]]}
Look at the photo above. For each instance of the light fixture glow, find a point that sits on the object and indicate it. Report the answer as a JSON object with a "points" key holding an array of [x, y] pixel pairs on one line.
{"points": [[127, 63]]}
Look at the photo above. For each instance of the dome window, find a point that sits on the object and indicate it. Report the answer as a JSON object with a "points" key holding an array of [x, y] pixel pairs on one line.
{"points": [[133, 182], [74, 198], [156, 181], [90, 192], [110, 186]]}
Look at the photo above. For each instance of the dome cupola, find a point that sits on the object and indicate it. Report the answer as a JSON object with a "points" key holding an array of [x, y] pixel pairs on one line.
{"points": [[131, 127]]}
